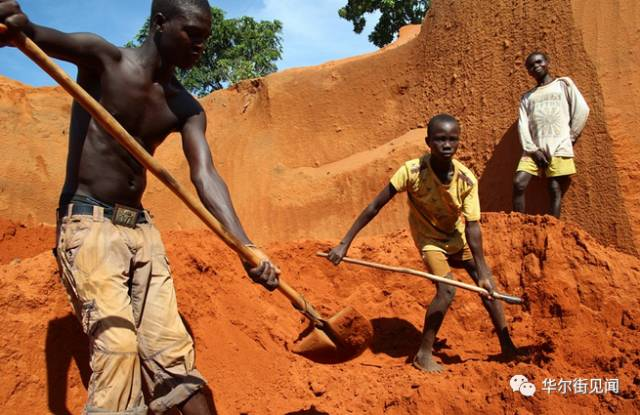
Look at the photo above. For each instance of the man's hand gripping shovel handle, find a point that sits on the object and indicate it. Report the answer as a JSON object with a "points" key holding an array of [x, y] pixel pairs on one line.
{"points": [[113, 127]]}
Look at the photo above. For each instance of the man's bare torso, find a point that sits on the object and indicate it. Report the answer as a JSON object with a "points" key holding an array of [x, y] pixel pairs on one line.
{"points": [[97, 165]]}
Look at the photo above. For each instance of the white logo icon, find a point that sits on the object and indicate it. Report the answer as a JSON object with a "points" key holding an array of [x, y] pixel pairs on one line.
{"points": [[528, 389], [516, 381], [520, 383]]}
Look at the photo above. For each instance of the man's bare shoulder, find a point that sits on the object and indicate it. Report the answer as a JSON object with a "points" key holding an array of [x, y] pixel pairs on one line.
{"points": [[182, 102]]}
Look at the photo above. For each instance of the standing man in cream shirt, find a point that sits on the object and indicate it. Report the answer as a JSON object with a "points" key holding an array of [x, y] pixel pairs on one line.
{"points": [[552, 116]]}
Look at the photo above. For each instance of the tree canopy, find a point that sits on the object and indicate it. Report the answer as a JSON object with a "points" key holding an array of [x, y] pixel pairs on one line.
{"points": [[237, 49], [393, 15]]}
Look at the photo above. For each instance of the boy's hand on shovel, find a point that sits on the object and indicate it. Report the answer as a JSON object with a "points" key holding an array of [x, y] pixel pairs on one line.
{"points": [[486, 284], [337, 253]]}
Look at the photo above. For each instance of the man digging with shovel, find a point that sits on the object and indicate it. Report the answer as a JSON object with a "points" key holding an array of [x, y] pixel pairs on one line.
{"points": [[441, 192], [112, 260]]}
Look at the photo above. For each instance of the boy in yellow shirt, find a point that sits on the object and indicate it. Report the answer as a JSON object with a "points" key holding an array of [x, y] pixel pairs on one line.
{"points": [[444, 210]]}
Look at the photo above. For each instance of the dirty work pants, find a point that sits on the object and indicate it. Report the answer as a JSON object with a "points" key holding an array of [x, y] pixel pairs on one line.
{"points": [[119, 283]]}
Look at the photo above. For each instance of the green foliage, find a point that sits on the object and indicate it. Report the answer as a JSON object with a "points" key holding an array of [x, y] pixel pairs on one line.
{"points": [[393, 15], [237, 49]]}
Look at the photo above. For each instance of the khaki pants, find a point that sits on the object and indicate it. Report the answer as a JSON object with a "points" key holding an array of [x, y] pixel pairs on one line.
{"points": [[120, 286]]}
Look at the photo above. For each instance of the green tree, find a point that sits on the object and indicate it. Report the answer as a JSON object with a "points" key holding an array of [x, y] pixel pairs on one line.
{"points": [[393, 15], [237, 49]]}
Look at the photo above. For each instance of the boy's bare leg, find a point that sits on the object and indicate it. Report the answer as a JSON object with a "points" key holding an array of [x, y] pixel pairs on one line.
{"points": [[558, 186], [432, 322], [197, 404], [520, 182], [494, 308]]}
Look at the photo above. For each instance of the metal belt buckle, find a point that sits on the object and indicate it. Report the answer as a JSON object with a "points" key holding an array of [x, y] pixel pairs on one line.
{"points": [[125, 216]]}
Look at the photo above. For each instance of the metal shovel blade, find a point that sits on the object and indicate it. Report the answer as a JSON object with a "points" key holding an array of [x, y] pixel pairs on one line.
{"points": [[346, 333]]}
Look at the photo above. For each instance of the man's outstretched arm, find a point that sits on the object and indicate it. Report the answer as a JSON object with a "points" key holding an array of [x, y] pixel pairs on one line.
{"points": [[370, 212], [214, 194]]}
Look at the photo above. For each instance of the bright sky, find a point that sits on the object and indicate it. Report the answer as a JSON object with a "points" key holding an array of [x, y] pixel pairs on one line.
{"points": [[313, 32]]}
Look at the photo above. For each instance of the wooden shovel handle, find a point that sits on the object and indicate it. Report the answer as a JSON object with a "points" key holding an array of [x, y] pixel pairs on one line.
{"points": [[113, 127], [507, 298]]}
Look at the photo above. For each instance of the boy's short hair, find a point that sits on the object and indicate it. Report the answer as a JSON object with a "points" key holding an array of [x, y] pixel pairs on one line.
{"points": [[537, 52], [172, 8], [440, 118]]}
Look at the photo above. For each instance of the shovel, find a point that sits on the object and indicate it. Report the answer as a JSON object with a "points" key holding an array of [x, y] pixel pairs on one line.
{"points": [[347, 330], [511, 299]]}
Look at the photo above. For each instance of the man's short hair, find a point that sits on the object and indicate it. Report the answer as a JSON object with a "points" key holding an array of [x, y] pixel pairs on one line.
{"points": [[172, 8], [537, 52], [440, 118]]}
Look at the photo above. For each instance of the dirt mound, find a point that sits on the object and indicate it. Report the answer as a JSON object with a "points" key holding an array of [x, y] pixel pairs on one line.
{"points": [[277, 140], [18, 242], [581, 321]]}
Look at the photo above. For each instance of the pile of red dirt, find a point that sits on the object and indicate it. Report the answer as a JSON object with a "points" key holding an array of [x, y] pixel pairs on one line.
{"points": [[581, 320], [17, 241], [311, 146], [303, 151]]}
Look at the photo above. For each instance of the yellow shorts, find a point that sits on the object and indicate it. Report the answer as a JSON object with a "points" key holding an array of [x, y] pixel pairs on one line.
{"points": [[559, 166], [437, 262]]}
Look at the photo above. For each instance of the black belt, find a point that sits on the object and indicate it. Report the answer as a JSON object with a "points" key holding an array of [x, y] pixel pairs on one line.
{"points": [[119, 215]]}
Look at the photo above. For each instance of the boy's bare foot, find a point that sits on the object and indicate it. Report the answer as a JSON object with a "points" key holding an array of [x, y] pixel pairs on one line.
{"points": [[426, 364], [511, 352]]}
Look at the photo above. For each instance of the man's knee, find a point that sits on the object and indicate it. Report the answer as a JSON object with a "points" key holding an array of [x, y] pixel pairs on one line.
{"points": [[519, 184], [115, 335], [555, 188], [446, 292], [123, 342]]}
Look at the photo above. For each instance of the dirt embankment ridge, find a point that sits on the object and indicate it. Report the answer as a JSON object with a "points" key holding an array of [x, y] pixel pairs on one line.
{"points": [[277, 139]]}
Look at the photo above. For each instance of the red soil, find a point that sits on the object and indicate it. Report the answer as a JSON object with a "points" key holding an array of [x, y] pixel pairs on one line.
{"points": [[581, 321], [18, 242], [311, 146], [303, 151]]}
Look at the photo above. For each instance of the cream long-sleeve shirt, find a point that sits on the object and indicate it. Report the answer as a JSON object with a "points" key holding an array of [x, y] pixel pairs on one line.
{"points": [[551, 117]]}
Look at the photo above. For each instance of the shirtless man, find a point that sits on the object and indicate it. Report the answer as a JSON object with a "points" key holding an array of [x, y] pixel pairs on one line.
{"points": [[112, 260]]}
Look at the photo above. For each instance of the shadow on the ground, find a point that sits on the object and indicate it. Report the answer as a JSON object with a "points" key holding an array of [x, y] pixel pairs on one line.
{"points": [[395, 337], [310, 411], [65, 342]]}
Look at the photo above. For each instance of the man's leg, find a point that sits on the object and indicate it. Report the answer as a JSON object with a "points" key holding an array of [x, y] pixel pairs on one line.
{"points": [[558, 186], [166, 348], [94, 261], [494, 308], [520, 182], [437, 264], [198, 404]]}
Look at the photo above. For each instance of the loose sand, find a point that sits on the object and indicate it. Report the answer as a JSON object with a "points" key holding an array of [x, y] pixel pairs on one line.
{"points": [[581, 321]]}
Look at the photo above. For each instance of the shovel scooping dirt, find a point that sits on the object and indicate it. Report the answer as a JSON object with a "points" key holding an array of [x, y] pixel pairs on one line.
{"points": [[347, 330]]}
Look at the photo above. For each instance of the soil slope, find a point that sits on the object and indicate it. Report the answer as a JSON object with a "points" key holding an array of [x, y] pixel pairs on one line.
{"points": [[285, 142], [581, 321]]}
